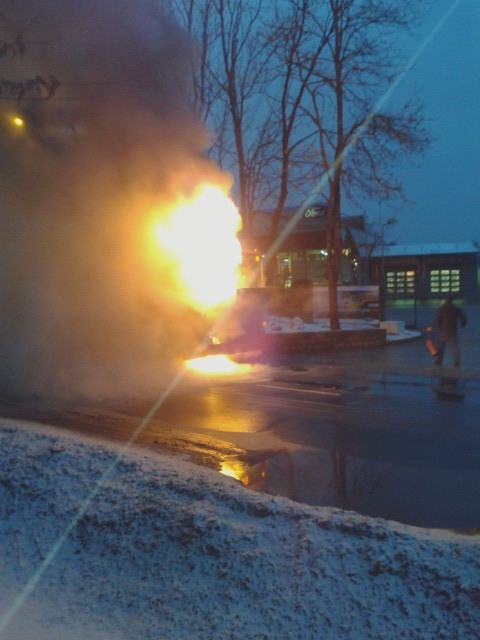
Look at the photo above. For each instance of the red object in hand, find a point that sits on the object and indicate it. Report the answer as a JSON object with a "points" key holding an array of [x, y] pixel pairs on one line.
{"points": [[432, 349]]}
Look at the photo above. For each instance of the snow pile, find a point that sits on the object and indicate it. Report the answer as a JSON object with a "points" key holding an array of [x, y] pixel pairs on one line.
{"points": [[286, 324], [166, 549]]}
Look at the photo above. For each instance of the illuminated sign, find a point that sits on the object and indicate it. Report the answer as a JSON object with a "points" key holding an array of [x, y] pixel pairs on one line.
{"points": [[315, 212]]}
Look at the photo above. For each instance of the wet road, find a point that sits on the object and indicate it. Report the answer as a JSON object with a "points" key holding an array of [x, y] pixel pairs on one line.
{"points": [[383, 444], [359, 430]]}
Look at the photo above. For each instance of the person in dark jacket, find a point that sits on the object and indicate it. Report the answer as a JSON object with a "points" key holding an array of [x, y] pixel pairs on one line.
{"points": [[446, 319]]}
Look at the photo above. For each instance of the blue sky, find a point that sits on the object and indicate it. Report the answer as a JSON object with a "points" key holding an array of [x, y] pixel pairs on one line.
{"points": [[445, 185]]}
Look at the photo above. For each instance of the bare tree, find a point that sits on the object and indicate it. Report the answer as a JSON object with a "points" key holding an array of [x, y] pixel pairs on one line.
{"points": [[292, 92], [242, 78], [14, 46], [297, 40], [198, 18], [230, 79], [359, 142]]}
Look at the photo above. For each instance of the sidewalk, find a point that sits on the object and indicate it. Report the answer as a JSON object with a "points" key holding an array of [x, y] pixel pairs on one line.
{"points": [[404, 359], [415, 355]]}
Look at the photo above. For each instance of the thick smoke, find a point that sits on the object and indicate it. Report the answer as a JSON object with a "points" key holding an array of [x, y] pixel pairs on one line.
{"points": [[84, 311]]}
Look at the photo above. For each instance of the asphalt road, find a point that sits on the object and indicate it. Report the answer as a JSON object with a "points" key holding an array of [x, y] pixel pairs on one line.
{"points": [[362, 430], [382, 444], [389, 447]]}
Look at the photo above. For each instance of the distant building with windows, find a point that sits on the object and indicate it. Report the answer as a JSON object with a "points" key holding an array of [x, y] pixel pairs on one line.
{"points": [[302, 253], [419, 272], [427, 271]]}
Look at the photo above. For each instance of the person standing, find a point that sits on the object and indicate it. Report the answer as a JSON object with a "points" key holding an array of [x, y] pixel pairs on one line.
{"points": [[446, 320]]}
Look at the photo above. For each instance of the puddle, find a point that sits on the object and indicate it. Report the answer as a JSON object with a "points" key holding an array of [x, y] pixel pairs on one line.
{"points": [[424, 497]]}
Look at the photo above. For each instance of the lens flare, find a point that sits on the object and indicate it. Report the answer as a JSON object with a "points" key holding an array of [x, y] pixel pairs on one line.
{"points": [[200, 235]]}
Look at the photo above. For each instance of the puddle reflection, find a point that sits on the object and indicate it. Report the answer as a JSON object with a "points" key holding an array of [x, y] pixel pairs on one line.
{"points": [[425, 497], [252, 469]]}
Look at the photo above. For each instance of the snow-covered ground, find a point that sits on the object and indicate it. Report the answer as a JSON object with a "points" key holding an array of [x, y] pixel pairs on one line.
{"points": [[285, 324], [158, 548], [281, 324]]}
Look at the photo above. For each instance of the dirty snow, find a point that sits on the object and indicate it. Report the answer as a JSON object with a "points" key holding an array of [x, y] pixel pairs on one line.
{"points": [[165, 549], [287, 324], [284, 324]]}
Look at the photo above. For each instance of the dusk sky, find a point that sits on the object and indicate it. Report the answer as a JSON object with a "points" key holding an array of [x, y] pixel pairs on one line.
{"points": [[444, 188]]}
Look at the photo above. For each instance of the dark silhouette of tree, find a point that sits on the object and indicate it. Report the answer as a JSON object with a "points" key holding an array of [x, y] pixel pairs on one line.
{"points": [[230, 69], [17, 89], [359, 141], [297, 40], [293, 94]]}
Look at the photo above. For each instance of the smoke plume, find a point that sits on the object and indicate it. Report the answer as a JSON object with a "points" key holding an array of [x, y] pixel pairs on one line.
{"points": [[84, 311]]}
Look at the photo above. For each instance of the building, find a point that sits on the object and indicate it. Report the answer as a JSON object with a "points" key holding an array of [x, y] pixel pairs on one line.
{"points": [[427, 271], [418, 272], [301, 255]]}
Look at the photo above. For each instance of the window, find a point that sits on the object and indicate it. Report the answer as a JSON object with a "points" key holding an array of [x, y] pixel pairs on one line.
{"points": [[301, 265], [445, 280], [283, 275], [316, 266], [297, 259], [291, 266], [400, 281]]}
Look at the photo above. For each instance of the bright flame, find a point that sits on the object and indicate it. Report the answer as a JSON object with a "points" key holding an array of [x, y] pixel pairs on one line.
{"points": [[18, 122], [248, 475], [214, 365], [200, 236], [234, 469]]}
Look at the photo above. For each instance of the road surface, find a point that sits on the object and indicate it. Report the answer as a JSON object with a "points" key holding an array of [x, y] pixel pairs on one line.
{"points": [[383, 444]]}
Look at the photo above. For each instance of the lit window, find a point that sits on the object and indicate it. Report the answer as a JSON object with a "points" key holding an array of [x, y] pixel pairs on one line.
{"points": [[445, 280], [401, 282]]}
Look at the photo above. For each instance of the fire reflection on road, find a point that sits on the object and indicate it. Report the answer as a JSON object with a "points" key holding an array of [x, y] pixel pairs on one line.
{"points": [[252, 468], [426, 497]]}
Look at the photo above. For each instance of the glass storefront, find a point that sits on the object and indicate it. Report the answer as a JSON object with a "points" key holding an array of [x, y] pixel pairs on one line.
{"points": [[310, 265]]}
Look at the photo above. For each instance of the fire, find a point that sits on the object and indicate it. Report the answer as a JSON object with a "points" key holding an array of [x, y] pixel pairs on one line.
{"points": [[234, 469], [200, 235], [248, 475], [216, 365]]}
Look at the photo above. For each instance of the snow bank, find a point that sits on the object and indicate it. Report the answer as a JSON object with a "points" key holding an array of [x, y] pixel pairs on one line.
{"points": [[166, 549], [286, 324]]}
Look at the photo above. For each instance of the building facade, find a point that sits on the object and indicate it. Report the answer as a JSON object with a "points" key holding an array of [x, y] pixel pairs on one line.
{"points": [[417, 272], [302, 253], [428, 271]]}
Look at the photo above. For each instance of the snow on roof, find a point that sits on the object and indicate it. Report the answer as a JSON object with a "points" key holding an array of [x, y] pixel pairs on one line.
{"points": [[166, 549], [442, 248]]}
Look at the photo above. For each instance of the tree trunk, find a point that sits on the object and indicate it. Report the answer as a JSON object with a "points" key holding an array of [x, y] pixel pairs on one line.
{"points": [[333, 249], [275, 228]]}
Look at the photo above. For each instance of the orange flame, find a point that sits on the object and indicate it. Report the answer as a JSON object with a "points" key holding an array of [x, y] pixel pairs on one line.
{"points": [[216, 365], [200, 235]]}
